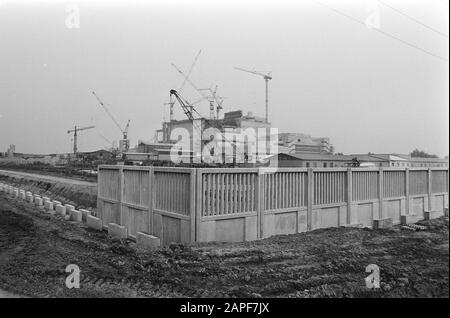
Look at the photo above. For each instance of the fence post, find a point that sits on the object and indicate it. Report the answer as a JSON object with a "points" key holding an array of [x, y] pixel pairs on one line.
{"points": [[193, 199], [151, 200], [429, 183], [407, 190], [199, 205], [258, 203], [380, 193], [121, 189], [99, 192], [349, 196], [310, 197]]}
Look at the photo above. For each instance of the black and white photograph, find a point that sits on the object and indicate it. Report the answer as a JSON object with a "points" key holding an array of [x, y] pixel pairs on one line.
{"points": [[224, 156]]}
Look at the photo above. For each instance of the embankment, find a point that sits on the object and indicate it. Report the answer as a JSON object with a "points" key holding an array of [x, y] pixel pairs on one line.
{"points": [[82, 194]]}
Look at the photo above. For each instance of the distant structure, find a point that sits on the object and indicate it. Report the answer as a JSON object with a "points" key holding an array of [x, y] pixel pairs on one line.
{"points": [[298, 143], [310, 160], [11, 151], [401, 160], [234, 119], [289, 143], [98, 156], [322, 160]]}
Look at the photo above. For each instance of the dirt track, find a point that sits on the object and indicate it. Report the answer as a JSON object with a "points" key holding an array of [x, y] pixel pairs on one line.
{"points": [[35, 249]]}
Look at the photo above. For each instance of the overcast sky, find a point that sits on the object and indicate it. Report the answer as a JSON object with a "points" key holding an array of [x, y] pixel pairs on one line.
{"points": [[332, 76]]}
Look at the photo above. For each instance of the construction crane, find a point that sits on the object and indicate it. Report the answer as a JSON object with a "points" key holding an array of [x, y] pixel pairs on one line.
{"points": [[189, 109], [266, 77], [126, 143], [171, 101], [75, 136], [214, 98], [204, 96], [210, 98]]}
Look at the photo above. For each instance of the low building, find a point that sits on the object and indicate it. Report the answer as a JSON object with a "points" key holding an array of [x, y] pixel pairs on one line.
{"points": [[428, 162], [401, 161], [307, 160]]}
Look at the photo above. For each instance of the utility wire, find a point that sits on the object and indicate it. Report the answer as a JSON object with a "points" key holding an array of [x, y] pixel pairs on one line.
{"points": [[382, 32], [413, 19]]}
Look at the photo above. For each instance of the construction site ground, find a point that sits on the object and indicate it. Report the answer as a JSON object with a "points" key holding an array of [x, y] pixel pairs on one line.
{"points": [[36, 247]]}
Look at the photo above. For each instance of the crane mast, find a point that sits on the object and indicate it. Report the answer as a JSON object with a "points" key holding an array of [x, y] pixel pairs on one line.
{"points": [[187, 108], [171, 101], [267, 77], [211, 99], [75, 136]]}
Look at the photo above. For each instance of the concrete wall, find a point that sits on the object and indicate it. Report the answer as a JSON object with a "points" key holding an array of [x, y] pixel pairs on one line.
{"points": [[151, 200], [233, 205]]}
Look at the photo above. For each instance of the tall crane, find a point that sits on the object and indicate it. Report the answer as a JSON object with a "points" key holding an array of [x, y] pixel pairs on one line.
{"points": [[126, 142], [266, 77], [214, 98], [210, 98], [189, 110], [75, 136], [171, 101]]}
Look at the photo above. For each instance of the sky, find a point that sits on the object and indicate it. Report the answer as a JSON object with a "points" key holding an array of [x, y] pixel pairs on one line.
{"points": [[380, 87]]}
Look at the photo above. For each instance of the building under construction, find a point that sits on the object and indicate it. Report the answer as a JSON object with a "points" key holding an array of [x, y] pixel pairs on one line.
{"points": [[167, 136], [237, 121]]}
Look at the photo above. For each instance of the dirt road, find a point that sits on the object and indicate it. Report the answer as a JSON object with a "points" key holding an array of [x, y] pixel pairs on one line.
{"points": [[35, 249]]}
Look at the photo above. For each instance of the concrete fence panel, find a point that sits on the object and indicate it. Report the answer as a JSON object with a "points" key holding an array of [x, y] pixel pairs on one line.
{"points": [[152, 200], [226, 204], [217, 204], [283, 203]]}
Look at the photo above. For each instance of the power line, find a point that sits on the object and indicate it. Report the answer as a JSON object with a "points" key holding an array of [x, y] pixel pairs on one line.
{"points": [[382, 32], [413, 19]]}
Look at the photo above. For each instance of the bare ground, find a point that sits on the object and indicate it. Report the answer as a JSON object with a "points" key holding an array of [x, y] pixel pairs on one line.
{"points": [[35, 249]]}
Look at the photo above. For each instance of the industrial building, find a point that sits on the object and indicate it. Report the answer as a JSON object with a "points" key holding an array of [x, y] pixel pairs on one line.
{"points": [[309, 160], [230, 125], [298, 143], [401, 160], [234, 120], [243, 150]]}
